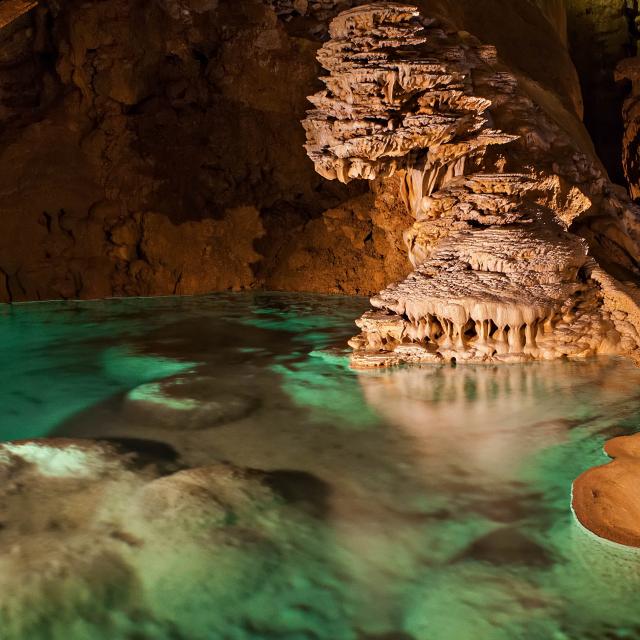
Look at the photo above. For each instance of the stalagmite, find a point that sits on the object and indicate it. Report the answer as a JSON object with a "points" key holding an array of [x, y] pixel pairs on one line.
{"points": [[504, 244]]}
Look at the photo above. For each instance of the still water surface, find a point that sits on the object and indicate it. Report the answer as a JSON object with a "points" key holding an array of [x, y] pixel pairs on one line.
{"points": [[438, 496]]}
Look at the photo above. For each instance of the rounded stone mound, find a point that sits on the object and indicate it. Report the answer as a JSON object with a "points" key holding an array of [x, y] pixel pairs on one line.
{"points": [[606, 499]]}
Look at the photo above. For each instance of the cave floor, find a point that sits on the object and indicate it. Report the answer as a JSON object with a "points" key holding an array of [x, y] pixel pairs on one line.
{"points": [[421, 503]]}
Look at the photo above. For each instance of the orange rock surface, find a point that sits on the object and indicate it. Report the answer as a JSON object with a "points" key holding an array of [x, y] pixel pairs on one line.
{"points": [[606, 499], [11, 10]]}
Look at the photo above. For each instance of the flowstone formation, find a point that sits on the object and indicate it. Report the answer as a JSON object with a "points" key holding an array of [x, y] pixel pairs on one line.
{"points": [[514, 217]]}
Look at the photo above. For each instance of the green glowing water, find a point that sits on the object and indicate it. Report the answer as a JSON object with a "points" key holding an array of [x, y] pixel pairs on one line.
{"points": [[431, 503], [61, 358]]}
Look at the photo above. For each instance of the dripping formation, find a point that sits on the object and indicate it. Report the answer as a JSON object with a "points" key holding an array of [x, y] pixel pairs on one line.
{"points": [[514, 220]]}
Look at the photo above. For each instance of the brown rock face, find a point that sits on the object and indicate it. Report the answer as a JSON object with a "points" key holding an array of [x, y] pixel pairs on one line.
{"points": [[508, 199], [11, 10], [155, 148], [629, 69], [606, 500], [601, 34], [151, 149]]}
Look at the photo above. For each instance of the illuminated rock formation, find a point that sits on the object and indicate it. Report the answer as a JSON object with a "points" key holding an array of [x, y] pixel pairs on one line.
{"points": [[504, 293], [504, 256], [381, 105]]}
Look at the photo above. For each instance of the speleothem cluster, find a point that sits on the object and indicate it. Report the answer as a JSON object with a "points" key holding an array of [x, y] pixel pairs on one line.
{"points": [[512, 214]]}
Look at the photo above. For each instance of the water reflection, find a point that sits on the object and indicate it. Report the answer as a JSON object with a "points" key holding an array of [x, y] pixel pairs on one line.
{"points": [[415, 503], [485, 422], [500, 445]]}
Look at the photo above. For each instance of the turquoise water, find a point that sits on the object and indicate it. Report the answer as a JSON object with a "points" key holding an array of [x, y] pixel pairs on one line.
{"points": [[423, 503]]}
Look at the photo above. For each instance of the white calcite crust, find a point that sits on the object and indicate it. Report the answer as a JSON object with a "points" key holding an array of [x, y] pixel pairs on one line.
{"points": [[505, 293]]}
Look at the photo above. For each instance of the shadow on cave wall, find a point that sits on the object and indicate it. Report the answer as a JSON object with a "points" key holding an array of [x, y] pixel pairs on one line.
{"points": [[601, 33]]}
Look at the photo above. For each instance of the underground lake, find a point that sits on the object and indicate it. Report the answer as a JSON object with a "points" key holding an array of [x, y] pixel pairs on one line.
{"points": [[214, 469]]}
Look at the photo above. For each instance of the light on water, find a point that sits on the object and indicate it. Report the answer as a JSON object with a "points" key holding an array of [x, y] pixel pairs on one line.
{"points": [[421, 503]]}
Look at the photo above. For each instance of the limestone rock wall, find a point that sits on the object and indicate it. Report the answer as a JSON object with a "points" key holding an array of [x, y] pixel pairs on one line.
{"points": [[629, 70], [556, 12], [155, 148]]}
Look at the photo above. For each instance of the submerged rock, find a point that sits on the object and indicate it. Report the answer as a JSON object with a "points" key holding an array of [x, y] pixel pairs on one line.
{"points": [[507, 546], [188, 403], [95, 544]]}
